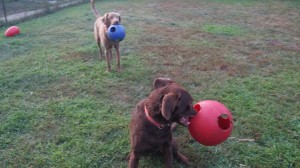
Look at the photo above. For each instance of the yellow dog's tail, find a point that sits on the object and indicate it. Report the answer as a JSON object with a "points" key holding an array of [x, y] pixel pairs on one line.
{"points": [[96, 13]]}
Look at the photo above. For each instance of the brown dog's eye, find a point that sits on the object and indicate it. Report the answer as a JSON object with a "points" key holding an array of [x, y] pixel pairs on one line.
{"points": [[188, 108]]}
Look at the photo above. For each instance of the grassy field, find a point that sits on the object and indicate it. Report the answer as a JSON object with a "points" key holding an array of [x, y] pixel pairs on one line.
{"points": [[60, 108]]}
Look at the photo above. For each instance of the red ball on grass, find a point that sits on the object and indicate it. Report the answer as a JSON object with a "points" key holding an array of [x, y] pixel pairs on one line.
{"points": [[212, 124], [12, 31]]}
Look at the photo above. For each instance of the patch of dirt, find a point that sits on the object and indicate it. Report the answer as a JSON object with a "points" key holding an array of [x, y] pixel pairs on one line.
{"points": [[172, 5], [60, 88], [285, 46], [199, 57], [277, 16], [174, 32], [78, 55]]}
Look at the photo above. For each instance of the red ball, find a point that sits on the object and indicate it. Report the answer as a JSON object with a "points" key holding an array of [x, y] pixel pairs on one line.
{"points": [[12, 31], [212, 124]]}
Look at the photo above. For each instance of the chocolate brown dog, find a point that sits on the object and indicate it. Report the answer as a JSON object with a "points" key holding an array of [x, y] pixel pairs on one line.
{"points": [[150, 127], [100, 28]]}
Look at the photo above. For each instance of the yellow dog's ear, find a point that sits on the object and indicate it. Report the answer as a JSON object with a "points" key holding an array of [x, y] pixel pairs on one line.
{"points": [[105, 19], [168, 105], [161, 82]]}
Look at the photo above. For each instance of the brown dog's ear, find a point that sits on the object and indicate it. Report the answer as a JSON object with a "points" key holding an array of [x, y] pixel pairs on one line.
{"points": [[168, 105], [119, 19], [105, 19], [161, 82]]}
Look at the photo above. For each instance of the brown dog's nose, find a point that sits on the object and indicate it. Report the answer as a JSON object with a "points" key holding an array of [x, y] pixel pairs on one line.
{"points": [[194, 112], [116, 22]]}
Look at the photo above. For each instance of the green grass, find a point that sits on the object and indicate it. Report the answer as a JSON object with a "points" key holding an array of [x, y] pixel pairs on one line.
{"points": [[60, 108], [294, 3], [223, 29]]}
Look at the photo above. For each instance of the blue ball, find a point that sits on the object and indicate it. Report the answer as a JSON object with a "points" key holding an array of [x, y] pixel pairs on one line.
{"points": [[116, 33]]}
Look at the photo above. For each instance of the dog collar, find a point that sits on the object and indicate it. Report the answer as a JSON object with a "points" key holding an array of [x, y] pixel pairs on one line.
{"points": [[158, 125]]}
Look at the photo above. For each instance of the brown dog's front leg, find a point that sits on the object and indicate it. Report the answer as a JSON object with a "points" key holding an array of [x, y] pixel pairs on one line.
{"points": [[168, 157], [100, 49], [133, 161], [118, 57], [108, 55], [101, 53], [177, 154]]}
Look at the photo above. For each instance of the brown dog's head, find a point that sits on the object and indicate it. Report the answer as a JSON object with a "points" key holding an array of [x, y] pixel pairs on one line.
{"points": [[111, 18], [176, 102]]}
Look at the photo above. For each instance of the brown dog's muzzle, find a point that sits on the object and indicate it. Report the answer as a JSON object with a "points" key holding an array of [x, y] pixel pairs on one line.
{"points": [[116, 22], [185, 119]]}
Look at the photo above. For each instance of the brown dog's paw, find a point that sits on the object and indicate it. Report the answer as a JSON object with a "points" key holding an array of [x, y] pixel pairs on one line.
{"points": [[119, 70], [127, 157], [182, 158], [173, 127]]}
